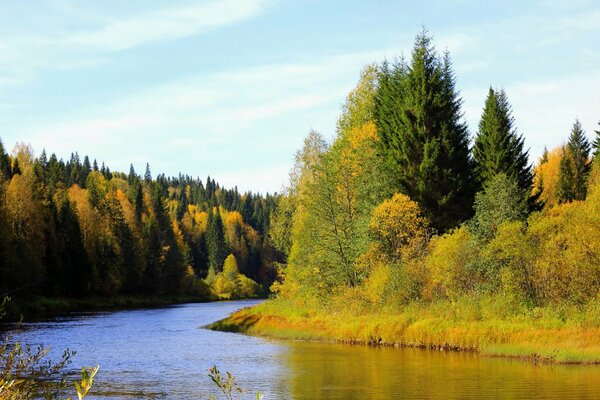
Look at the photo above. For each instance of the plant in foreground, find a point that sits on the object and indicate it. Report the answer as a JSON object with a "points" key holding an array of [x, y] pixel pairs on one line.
{"points": [[227, 384]]}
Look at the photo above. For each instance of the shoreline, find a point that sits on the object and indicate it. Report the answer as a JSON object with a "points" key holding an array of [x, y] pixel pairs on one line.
{"points": [[536, 345], [40, 307]]}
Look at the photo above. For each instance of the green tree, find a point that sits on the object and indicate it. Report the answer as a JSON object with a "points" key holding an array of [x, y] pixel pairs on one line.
{"points": [[5, 168], [566, 177], [147, 174], [500, 200], [578, 156], [132, 177], [358, 108], [579, 147], [596, 145], [422, 134], [215, 241], [498, 148]]}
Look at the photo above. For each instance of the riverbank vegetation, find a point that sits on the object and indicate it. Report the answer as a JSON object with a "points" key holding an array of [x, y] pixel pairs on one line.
{"points": [[403, 231], [75, 231]]}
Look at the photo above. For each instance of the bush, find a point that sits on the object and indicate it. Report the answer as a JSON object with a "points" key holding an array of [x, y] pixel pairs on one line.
{"points": [[231, 284]]}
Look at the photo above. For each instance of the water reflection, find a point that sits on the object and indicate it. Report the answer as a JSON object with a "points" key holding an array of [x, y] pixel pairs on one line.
{"points": [[333, 371], [164, 354]]}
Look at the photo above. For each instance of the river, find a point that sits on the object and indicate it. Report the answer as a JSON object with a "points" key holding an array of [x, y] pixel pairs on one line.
{"points": [[165, 354]]}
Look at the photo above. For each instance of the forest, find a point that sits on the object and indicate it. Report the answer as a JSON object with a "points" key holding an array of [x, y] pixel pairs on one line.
{"points": [[78, 230], [403, 210], [405, 220]]}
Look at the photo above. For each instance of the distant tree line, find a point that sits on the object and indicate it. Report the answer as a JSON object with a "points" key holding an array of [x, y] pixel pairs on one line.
{"points": [[74, 228]]}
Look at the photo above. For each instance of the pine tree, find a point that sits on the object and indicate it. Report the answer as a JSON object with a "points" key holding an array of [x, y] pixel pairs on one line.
{"points": [[215, 242], [85, 170], [5, 169], [579, 153], [422, 135], [147, 174], [43, 159], [498, 147], [74, 170], [564, 186], [596, 145], [132, 176]]}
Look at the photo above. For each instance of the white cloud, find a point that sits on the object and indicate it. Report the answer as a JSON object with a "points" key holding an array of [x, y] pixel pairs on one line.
{"points": [[168, 24], [22, 57]]}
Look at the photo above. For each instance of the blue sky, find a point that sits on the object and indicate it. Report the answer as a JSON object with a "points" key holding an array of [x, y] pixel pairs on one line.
{"points": [[229, 88]]}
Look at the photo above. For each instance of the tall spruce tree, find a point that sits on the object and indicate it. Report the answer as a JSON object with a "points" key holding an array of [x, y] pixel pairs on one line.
{"points": [[422, 134], [579, 153], [498, 148], [564, 186], [147, 174], [215, 242]]}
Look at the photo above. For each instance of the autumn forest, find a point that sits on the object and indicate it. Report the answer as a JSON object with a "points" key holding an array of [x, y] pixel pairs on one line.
{"points": [[404, 213]]}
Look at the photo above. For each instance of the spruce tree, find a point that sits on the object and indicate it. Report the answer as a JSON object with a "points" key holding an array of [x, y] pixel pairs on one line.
{"points": [[579, 154], [215, 242], [422, 135], [5, 169], [132, 176], [147, 174], [596, 145], [498, 148], [564, 186], [85, 170]]}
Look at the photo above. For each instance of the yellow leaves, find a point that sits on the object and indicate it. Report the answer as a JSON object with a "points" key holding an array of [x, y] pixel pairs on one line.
{"points": [[358, 147], [178, 234], [399, 227], [24, 211], [377, 284], [366, 133], [231, 284], [201, 220], [546, 176], [447, 261], [233, 218]]}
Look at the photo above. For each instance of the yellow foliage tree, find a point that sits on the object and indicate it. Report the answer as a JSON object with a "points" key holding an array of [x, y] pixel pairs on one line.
{"points": [[399, 227], [448, 261], [546, 177]]}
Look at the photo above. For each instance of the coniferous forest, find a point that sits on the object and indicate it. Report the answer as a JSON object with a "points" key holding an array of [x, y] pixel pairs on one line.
{"points": [[75, 229]]}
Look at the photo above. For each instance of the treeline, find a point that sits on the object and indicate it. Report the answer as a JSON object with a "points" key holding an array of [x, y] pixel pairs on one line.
{"points": [[404, 207], [76, 229]]}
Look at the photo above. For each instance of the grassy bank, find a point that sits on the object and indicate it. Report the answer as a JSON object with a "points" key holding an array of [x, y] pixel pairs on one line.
{"points": [[483, 325]]}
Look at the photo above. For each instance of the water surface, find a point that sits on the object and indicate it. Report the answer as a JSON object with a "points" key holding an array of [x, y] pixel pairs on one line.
{"points": [[165, 354]]}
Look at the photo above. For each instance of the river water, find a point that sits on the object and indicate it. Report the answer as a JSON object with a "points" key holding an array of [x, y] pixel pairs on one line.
{"points": [[165, 354]]}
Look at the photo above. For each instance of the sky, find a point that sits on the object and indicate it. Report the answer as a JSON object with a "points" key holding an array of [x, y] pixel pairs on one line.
{"points": [[230, 88]]}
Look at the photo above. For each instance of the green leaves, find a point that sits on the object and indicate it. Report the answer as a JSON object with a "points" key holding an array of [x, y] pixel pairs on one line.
{"points": [[87, 380], [422, 135], [498, 148], [227, 384]]}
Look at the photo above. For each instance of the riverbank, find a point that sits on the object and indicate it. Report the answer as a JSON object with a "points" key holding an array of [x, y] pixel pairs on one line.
{"points": [[39, 307], [538, 335]]}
